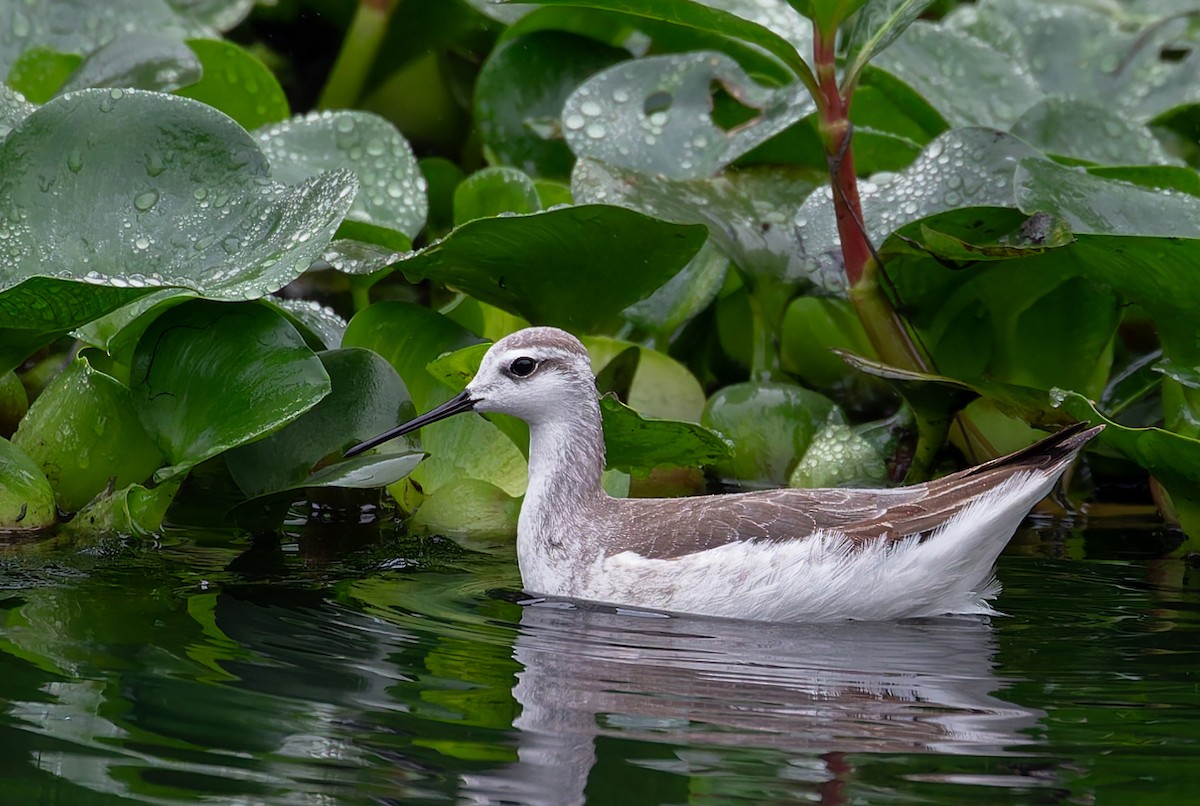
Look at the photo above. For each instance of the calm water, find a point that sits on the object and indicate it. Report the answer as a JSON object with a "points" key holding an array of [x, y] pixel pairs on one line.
{"points": [[323, 673]]}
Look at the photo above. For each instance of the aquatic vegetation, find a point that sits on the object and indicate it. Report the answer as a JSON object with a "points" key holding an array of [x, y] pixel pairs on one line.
{"points": [[992, 211]]}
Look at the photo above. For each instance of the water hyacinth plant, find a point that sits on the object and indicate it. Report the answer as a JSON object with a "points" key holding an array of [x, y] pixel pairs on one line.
{"points": [[807, 241]]}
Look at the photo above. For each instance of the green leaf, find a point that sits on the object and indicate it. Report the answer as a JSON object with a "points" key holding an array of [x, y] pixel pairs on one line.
{"points": [[85, 435], [839, 456], [13, 109], [1171, 458], [655, 115], [113, 194], [410, 337], [236, 83], [968, 82], [639, 444], [39, 72], [770, 425], [828, 15], [207, 377], [391, 189], [138, 61], [519, 97], [876, 25], [683, 296], [133, 511], [220, 14], [661, 388], [1089, 131], [467, 508], [321, 325], [366, 397], [747, 21], [82, 26], [26, 498], [14, 403], [747, 212], [573, 267], [494, 191]]}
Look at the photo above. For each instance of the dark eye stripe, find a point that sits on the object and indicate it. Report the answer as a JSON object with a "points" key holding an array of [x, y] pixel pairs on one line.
{"points": [[522, 367]]}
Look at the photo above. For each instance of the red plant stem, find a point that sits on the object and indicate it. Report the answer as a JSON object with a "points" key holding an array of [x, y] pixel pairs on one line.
{"points": [[835, 134], [885, 329]]}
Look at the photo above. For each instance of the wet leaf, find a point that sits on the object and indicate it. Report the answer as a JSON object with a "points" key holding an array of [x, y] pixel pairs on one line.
{"points": [[967, 81], [770, 425], [39, 73], [1089, 131], [321, 325], [14, 402], [1171, 458], [876, 25], [13, 109], [26, 498], [366, 397], [655, 115], [391, 188], [639, 444], [468, 508], [84, 433], [661, 388], [839, 456], [220, 14], [683, 296], [207, 377], [769, 24], [82, 26], [519, 97], [236, 83], [115, 193], [134, 511], [138, 61], [573, 267], [748, 212], [410, 337], [494, 191], [813, 327]]}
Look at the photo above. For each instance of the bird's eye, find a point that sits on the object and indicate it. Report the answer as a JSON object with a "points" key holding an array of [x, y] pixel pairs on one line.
{"points": [[522, 367]]}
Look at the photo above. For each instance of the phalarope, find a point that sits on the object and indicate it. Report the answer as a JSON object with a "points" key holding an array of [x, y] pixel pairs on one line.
{"points": [[778, 555]]}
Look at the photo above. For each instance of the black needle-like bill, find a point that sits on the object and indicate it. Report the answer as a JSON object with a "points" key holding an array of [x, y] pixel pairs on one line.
{"points": [[455, 405]]}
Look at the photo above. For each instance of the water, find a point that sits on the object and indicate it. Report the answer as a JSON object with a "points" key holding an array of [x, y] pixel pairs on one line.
{"points": [[346, 668]]}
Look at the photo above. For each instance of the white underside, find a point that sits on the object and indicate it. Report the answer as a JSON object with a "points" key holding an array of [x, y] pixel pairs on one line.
{"points": [[821, 578]]}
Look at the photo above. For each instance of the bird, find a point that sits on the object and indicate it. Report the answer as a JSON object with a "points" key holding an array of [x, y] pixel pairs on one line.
{"points": [[785, 555]]}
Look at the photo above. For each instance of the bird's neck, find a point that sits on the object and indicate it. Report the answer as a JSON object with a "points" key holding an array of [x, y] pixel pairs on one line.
{"points": [[566, 456]]}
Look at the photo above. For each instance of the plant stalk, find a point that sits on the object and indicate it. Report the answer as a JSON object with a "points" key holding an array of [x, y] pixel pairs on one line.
{"points": [[344, 87]]}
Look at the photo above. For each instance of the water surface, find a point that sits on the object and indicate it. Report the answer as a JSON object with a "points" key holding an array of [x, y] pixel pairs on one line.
{"points": [[409, 672]]}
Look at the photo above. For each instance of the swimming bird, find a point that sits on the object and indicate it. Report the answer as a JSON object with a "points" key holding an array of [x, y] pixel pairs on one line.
{"points": [[776, 555]]}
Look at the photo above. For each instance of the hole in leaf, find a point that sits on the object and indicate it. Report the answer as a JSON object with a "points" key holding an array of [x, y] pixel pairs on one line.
{"points": [[727, 111], [657, 102]]}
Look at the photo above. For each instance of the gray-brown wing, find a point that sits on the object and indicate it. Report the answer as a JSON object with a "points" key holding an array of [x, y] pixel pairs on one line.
{"points": [[666, 529]]}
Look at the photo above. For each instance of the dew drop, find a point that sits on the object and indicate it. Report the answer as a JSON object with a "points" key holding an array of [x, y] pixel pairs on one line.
{"points": [[145, 200], [75, 160]]}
